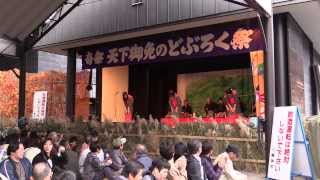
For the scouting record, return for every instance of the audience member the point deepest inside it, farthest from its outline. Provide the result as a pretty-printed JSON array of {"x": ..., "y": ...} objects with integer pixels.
[
  {"x": 141, "y": 155},
  {"x": 226, "y": 158},
  {"x": 65, "y": 175},
  {"x": 166, "y": 150},
  {"x": 84, "y": 151},
  {"x": 158, "y": 171},
  {"x": 2, "y": 177},
  {"x": 24, "y": 137},
  {"x": 195, "y": 169},
  {"x": 179, "y": 163},
  {"x": 55, "y": 161},
  {"x": 132, "y": 171},
  {"x": 72, "y": 156},
  {"x": 119, "y": 160},
  {"x": 93, "y": 167},
  {"x": 55, "y": 139},
  {"x": 42, "y": 171},
  {"x": 11, "y": 138},
  {"x": 16, "y": 167},
  {"x": 95, "y": 139},
  {"x": 212, "y": 172},
  {"x": 3, "y": 149},
  {"x": 32, "y": 144}
]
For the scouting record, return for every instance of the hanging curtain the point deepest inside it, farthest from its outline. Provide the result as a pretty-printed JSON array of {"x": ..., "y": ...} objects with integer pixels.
[{"x": 257, "y": 59}]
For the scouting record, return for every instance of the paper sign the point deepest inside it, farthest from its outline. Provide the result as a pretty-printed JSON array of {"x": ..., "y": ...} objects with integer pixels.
[
  {"x": 289, "y": 152},
  {"x": 280, "y": 158},
  {"x": 39, "y": 105}
]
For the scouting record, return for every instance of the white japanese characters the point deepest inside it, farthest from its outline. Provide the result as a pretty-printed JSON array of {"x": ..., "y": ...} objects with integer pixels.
[{"x": 182, "y": 46}]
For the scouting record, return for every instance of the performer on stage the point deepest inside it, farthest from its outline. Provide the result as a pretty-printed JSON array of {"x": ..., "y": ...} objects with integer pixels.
[
  {"x": 209, "y": 107},
  {"x": 128, "y": 104},
  {"x": 179, "y": 102},
  {"x": 237, "y": 100},
  {"x": 186, "y": 108},
  {"x": 221, "y": 109},
  {"x": 174, "y": 102},
  {"x": 232, "y": 102}
]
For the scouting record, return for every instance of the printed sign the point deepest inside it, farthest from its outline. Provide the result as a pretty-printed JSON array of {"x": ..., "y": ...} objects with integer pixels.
[
  {"x": 39, "y": 105},
  {"x": 289, "y": 152},
  {"x": 232, "y": 38}
]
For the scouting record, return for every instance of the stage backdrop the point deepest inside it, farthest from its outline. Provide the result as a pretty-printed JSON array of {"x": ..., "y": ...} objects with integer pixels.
[
  {"x": 114, "y": 82},
  {"x": 197, "y": 87}
]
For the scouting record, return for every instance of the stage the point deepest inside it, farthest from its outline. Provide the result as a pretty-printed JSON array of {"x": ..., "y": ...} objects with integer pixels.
[{"x": 171, "y": 122}]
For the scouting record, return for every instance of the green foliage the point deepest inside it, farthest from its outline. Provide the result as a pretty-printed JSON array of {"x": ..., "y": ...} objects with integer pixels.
[{"x": 199, "y": 91}]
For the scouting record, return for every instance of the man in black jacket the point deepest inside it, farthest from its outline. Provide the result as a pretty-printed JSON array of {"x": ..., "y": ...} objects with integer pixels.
[
  {"x": 194, "y": 166},
  {"x": 119, "y": 159}
]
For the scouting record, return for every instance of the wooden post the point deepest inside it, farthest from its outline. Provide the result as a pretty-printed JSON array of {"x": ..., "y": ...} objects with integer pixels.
[{"x": 71, "y": 84}]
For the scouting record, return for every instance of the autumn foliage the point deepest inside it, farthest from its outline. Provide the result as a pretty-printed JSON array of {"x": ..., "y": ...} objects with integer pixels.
[{"x": 54, "y": 82}]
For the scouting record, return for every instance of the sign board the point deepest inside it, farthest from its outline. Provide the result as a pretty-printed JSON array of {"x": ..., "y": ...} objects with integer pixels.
[
  {"x": 39, "y": 105},
  {"x": 204, "y": 42},
  {"x": 290, "y": 154},
  {"x": 261, "y": 5}
]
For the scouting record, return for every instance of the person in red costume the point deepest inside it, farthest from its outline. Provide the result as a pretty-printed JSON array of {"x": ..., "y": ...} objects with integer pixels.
[{"x": 128, "y": 101}]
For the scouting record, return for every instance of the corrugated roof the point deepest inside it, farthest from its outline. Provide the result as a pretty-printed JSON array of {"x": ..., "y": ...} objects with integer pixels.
[{"x": 18, "y": 18}]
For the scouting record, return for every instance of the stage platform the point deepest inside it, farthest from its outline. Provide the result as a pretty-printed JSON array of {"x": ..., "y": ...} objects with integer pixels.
[{"x": 171, "y": 122}]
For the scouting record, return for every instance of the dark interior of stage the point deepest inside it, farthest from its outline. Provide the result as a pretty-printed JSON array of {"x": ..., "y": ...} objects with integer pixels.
[{"x": 150, "y": 83}]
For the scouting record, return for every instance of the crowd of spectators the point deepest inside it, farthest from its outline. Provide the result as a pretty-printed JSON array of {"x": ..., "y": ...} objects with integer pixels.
[{"x": 44, "y": 156}]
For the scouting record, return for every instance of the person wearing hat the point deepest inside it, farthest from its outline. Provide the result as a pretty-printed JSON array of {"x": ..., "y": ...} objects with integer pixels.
[
  {"x": 226, "y": 158},
  {"x": 119, "y": 159}
]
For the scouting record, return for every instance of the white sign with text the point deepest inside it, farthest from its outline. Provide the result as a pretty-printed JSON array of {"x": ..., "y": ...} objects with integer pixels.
[
  {"x": 39, "y": 105},
  {"x": 289, "y": 153},
  {"x": 280, "y": 158}
]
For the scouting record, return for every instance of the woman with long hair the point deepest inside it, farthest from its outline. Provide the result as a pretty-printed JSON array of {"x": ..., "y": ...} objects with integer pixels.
[
  {"x": 55, "y": 161},
  {"x": 128, "y": 104}
]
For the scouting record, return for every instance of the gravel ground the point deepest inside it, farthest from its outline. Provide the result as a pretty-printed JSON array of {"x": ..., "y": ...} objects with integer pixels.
[{"x": 253, "y": 176}]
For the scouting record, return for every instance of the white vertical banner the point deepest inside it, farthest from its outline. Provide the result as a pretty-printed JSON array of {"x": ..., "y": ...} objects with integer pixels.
[
  {"x": 282, "y": 142},
  {"x": 39, "y": 105}
]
